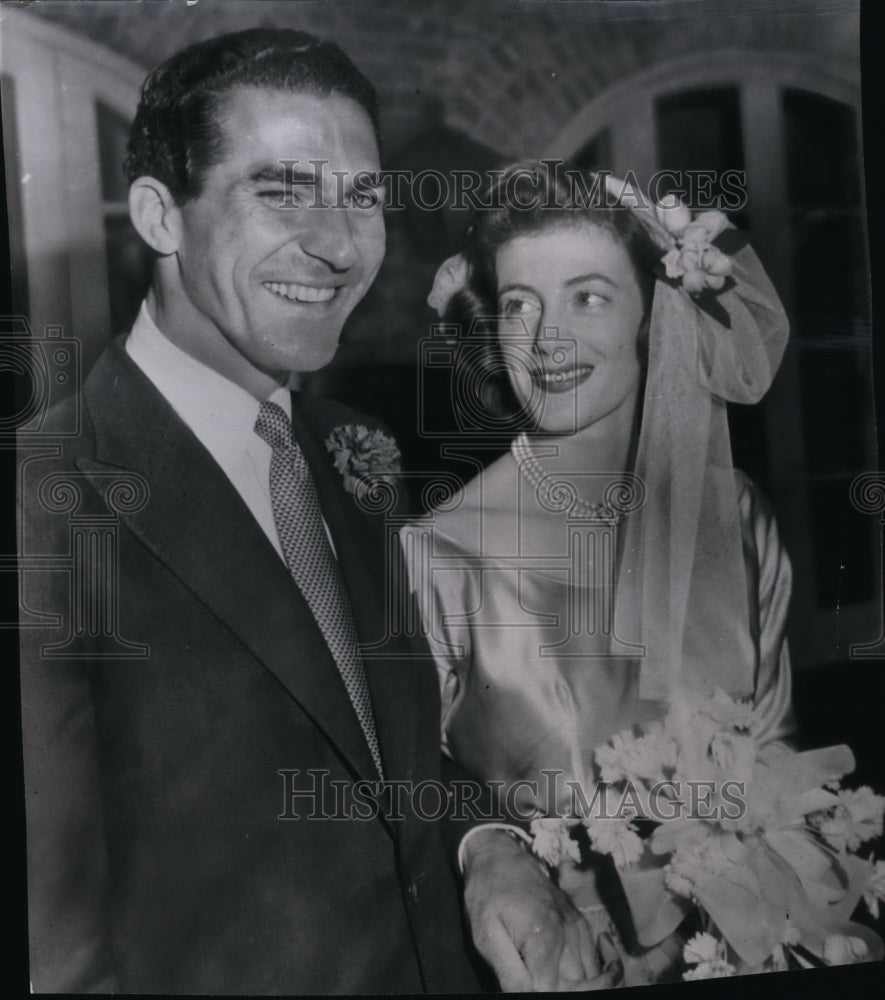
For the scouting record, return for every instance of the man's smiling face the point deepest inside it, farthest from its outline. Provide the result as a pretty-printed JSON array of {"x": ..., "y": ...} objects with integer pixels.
[{"x": 274, "y": 281}]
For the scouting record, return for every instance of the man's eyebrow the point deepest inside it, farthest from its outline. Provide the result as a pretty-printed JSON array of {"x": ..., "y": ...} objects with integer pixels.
[{"x": 276, "y": 173}]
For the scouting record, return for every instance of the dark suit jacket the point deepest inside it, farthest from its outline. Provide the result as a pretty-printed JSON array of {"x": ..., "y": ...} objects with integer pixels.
[{"x": 156, "y": 858}]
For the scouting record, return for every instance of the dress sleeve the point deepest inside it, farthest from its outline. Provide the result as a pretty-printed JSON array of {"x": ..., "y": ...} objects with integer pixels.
[
  {"x": 773, "y": 716},
  {"x": 439, "y": 594}
]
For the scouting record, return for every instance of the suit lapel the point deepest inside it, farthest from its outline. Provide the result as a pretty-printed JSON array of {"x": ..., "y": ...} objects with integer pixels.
[
  {"x": 196, "y": 523},
  {"x": 361, "y": 546}
]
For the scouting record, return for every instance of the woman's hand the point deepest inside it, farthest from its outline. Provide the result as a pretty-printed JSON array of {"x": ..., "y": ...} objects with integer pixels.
[{"x": 525, "y": 926}]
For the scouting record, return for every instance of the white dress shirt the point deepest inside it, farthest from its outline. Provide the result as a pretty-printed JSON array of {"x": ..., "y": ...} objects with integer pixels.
[{"x": 219, "y": 412}]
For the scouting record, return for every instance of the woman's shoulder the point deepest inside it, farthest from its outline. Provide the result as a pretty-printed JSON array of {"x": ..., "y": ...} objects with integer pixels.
[{"x": 480, "y": 507}]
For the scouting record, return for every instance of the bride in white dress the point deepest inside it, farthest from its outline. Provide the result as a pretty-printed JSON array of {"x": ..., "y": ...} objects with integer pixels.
[{"x": 613, "y": 555}]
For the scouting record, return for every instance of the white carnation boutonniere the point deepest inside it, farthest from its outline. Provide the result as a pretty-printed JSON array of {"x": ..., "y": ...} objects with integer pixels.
[
  {"x": 699, "y": 258},
  {"x": 361, "y": 454}
]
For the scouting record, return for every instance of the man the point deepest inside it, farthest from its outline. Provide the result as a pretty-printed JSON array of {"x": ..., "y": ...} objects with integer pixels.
[{"x": 163, "y": 788}]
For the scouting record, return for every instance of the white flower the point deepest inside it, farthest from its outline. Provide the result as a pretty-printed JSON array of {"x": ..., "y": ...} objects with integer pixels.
[
  {"x": 714, "y": 261},
  {"x": 678, "y": 881},
  {"x": 616, "y": 837},
  {"x": 833, "y": 828},
  {"x": 705, "y": 227},
  {"x": 551, "y": 841},
  {"x": 672, "y": 214},
  {"x": 694, "y": 281},
  {"x": 672, "y": 265},
  {"x": 714, "y": 281},
  {"x": 707, "y": 954},
  {"x": 608, "y": 759},
  {"x": 855, "y": 819},
  {"x": 710, "y": 970},
  {"x": 634, "y": 758},
  {"x": 865, "y": 810},
  {"x": 839, "y": 949},
  {"x": 653, "y": 751},
  {"x": 700, "y": 852},
  {"x": 702, "y": 947},
  {"x": 693, "y": 259},
  {"x": 875, "y": 888}
]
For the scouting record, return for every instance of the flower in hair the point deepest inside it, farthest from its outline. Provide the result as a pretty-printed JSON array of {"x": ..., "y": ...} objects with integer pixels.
[
  {"x": 360, "y": 453},
  {"x": 450, "y": 279},
  {"x": 699, "y": 258},
  {"x": 672, "y": 214}
]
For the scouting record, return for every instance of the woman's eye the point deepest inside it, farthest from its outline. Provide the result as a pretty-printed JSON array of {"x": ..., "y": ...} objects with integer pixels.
[
  {"x": 590, "y": 300},
  {"x": 517, "y": 307}
]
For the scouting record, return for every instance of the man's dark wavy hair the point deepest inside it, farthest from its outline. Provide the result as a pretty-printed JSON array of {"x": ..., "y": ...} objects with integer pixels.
[
  {"x": 530, "y": 198},
  {"x": 177, "y": 133}
]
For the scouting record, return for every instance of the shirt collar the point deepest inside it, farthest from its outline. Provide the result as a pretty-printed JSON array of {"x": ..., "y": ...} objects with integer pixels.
[{"x": 217, "y": 410}]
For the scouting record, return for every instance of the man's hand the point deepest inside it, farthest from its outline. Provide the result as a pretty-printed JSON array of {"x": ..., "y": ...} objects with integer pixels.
[{"x": 525, "y": 926}]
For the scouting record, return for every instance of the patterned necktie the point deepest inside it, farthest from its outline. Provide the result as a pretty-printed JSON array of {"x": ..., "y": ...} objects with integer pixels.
[{"x": 302, "y": 534}]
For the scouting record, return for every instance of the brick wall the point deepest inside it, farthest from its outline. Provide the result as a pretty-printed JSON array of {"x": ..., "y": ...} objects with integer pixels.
[{"x": 507, "y": 74}]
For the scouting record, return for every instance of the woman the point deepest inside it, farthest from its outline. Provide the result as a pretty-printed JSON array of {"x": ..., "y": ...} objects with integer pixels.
[{"x": 612, "y": 559}]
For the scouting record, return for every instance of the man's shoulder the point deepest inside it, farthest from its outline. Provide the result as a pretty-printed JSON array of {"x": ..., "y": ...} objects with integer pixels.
[
  {"x": 327, "y": 414},
  {"x": 68, "y": 423},
  {"x": 339, "y": 425}
]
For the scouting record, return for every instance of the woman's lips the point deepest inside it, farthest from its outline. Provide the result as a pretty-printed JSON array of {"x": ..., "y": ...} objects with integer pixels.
[{"x": 564, "y": 379}]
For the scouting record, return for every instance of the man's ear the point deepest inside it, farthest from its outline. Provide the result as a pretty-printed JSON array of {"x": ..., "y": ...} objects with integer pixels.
[{"x": 156, "y": 217}]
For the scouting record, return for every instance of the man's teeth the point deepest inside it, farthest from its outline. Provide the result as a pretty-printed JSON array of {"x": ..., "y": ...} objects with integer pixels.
[
  {"x": 300, "y": 293},
  {"x": 565, "y": 374}
]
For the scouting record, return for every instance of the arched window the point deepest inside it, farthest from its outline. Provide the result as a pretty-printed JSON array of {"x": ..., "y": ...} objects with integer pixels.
[{"x": 792, "y": 125}]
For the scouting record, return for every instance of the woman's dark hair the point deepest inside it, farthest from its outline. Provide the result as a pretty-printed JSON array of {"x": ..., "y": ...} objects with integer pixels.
[
  {"x": 177, "y": 130},
  {"x": 527, "y": 198}
]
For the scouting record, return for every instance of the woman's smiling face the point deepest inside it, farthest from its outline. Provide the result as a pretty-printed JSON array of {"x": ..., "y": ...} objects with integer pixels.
[{"x": 572, "y": 291}]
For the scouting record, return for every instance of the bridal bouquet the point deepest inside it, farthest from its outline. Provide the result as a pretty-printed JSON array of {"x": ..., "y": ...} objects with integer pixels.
[{"x": 761, "y": 839}]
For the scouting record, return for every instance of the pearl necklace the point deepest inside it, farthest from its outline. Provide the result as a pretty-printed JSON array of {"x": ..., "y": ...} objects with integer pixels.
[{"x": 556, "y": 495}]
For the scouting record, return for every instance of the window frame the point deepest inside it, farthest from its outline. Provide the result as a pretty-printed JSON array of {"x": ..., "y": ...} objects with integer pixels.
[
  {"x": 57, "y": 78},
  {"x": 626, "y": 110}
]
